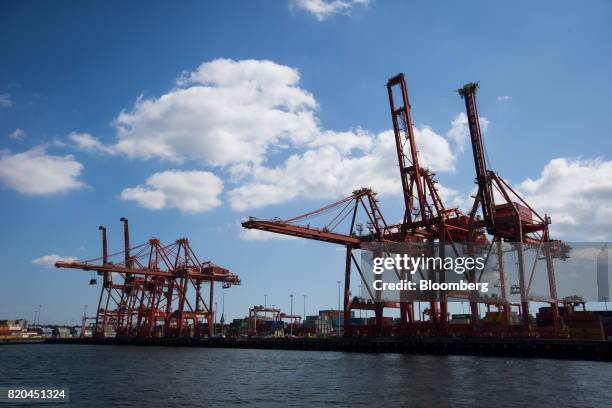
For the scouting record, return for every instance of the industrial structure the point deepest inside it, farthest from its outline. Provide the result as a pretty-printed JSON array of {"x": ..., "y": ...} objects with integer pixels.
[
  {"x": 157, "y": 290},
  {"x": 154, "y": 290},
  {"x": 498, "y": 215},
  {"x": 272, "y": 318}
]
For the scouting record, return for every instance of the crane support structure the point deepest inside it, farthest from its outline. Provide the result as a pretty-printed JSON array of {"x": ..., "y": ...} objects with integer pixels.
[
  {"x": 427, "y": 221},
  {"x": 155, "y": 290},
  {"x": 513, "y": 220},
  {"x": 342, "y": 229}
]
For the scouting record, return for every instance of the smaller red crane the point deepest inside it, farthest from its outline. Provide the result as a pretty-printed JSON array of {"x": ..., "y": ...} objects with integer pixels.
[{"x": 155, "y": 290}]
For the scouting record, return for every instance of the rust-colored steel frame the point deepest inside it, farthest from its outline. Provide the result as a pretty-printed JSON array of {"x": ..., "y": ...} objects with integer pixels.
[
  {"x": 426, "y": 220},
  {"x": 276, "y": 315},
  {"x": 156, "y": 290},
  {"x": 254, "y": 315},
  {"x": 515, "y": 228},
  {"x": 361, "y": 201}
]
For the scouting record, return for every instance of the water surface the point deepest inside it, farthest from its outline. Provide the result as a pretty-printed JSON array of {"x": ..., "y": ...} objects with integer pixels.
[{"x": 122, "y": 376}]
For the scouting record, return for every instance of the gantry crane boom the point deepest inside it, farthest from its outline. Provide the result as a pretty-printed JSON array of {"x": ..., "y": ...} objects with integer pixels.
[
  {"x": 410, "y": 170},
  {"x": 210, "y": 273},
  {"x": 345, "y": 209},
  {"x": 485, "y": 190},
  {"x": 282, "y": 227}
]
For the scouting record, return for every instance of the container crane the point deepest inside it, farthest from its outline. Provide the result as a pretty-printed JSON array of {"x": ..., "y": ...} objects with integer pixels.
[
  {"x": 155, "y": 290},
  {"x": 513, "y": 220},
  {"x": 425, "y": 217},
  {"x": 342, "y": 228}
]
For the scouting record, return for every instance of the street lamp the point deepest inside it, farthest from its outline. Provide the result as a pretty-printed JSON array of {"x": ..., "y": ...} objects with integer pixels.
[
  {"x": 222, "y": 312},
  {"x": 215, "y": 325},
  {"x": 360, "y": 297},
  {"x": 291, "y": 313},
  {"x": 265, "y": 307},
  {"x": 304, "y": 308},
  {"x": 338, "y": 314}
]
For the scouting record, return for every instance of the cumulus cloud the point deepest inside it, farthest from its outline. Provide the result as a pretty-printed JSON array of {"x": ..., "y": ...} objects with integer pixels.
[
  {"x": 252, "y": 122},
  {"x": 590, "y": 253},
  {"x": 89, "y": 143},
  {"x": 459, "y": 132},
  {"x": 504, "y": 98},
  {"x": 327, "y": 172},
  {"x": 34, "y": 172},
  {"x": 50, "y": 260},
  {"x": 188, "y": 191},
  {"x": 17, "y": 134},
  {"x": 225, "y": 112},
  {"x": 324, "y": 9},
  {"x": 577, "y": 194},
  {"x": 6, "y": 101}
]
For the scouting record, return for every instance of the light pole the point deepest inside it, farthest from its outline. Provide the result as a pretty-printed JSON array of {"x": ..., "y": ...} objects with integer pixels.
[
  {"x": 291, "y": 313},
  {"x": 222, "y": 312},
  {"x": 215, "y": 325},
  {"x": 265, "y": 306},
  {"x": 338, "y": 314},
  {"x": 304, "y": 318},
  {"x": 360, "y": 297}
]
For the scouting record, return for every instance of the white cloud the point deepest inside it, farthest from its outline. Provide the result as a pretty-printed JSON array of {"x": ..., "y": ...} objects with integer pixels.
[
  {"x": 329, "y": 172},
  {"x": 259, "y": 235},
  {"x": 577, "y": 194},
  {"x": 50, "y": 260},
  {"x": 6, "y": 101},
  {"x": 188, "y": 191},
  {"x": 236, "y": 115},
  {"x": 87, "y": 142},
  {"x": 590, "y": 253},
  {"x": 459, "y": 132},
  {"x": 504, "y": 98},
  {"x": 226, "y": 112},
  {"x": 345, "y": 142},
  {"x": 17, "y": 134},
  {"x": 324, "y": 9},
  {"x": 34, "y": 172}
]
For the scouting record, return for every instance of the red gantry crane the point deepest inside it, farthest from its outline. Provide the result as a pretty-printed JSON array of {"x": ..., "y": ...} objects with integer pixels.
[
  {"x": 427, "y": 221},
  {"x": 425, "y": 217},
  {"x": 254, "y": 316},
  {"x": 512, "y": 220},
  {"x": 155, "y": 290},
  {"x": 342, "y": 227}
]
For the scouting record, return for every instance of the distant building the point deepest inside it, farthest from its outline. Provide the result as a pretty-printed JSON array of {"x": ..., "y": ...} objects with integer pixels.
[
  {"x": 15, "y": 329},
  {"x": 603, "y": 286},
  {"x": 335, "y": 316},
  {"x": 61, "y": 332}
]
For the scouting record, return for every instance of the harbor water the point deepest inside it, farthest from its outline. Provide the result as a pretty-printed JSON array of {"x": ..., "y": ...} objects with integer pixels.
[{"x": 122, "y": 376}]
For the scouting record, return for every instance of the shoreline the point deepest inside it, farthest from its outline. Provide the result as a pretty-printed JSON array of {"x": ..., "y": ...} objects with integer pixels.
[{"x": 514, "y": 348}]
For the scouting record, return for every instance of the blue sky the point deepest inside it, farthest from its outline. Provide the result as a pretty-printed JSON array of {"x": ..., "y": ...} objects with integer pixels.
[{"x": 72, "y": 68}]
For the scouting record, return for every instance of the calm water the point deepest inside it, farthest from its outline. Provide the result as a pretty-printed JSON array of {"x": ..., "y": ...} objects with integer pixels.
[{"x": 116, "y": 376}]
